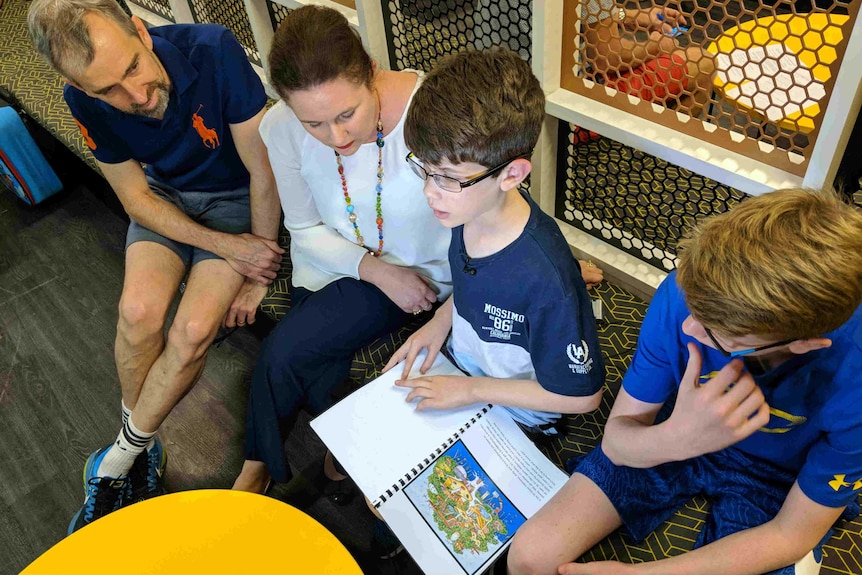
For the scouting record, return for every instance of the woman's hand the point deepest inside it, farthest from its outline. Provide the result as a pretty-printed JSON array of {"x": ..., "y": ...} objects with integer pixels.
[
  {"x": 242, "y": 310},
  {"x": 407, "y": 289}
]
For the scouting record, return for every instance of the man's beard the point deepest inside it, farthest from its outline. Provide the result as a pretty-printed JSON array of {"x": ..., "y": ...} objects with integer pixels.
[{"x": 163, "y": 93}]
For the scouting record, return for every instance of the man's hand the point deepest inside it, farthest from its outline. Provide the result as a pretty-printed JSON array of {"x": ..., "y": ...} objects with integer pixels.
[
  {"x": 597, "y": 568},
  {"x": 429, "y": 337},
  {"x": 719, "y": 412},
  {"x": 242, "y": 310},
  {"x": 254, "y": 257},
  {"x": 439, "y": 391}
]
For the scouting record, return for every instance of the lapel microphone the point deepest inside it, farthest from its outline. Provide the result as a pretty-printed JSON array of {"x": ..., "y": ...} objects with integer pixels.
[{"x": 467, "y": 269}]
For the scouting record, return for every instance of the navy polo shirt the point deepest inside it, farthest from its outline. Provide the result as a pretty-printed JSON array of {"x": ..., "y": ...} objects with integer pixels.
[{"x": 191, "y": 148}]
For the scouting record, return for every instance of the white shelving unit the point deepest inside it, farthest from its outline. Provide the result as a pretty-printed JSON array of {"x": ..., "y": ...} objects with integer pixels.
[{"x": 725, "y": 166}]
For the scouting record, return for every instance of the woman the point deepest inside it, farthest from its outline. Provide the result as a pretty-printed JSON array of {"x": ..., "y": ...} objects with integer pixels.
[
  {"x": 367, "y": 252},
  {"x": 337, "y": 149}
]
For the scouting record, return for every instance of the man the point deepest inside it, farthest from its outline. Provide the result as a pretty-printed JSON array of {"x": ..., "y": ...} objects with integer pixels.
[
  {"x": 184, "y": 101},
  {"x": 758, "y": 335}
]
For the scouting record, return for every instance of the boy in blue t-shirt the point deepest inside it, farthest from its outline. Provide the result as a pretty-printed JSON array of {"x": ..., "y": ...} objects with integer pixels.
[
  {"x": 520, "y": 316},
  {"x": 757, "y": 338}
]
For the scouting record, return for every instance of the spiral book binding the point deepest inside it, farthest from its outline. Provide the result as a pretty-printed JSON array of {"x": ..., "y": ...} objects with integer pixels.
[{"x": 419, "y": 467}]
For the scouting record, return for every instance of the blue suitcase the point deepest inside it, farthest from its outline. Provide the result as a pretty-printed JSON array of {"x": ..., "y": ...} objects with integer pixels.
[{"x": 23, "y": 168}]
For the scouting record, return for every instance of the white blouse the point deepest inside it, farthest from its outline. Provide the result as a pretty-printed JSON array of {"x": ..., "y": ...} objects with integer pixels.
[{"x": 323, "y": 247}]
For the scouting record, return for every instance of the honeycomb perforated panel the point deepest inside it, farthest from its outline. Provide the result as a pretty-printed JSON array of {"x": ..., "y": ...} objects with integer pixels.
[
  {"x": 159, "y": 7},
  {"x": 634, "y": 201},
  {"x": 419, "y": 32},
  {"x": 277, "y": 13},
  {"x": 231, "y": 15},
  {"x": 757, "y": 74}
]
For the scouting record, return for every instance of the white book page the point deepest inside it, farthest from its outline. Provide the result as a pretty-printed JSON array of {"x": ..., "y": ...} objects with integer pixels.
[
  {"x": 462, "y": 511},
  {"x": 378, "y": 437}
]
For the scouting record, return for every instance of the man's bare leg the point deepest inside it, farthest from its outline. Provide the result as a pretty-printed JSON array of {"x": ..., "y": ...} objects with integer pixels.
[
  {"x": 575, "y": 519},
  {"x": 210, "y": 289},
  {"x": 153, "y": 274}
]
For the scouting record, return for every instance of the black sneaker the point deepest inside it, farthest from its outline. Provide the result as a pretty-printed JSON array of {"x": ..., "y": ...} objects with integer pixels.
[
  {"x": 145, "y": 477},
  {"x": 104, "y": 495}
]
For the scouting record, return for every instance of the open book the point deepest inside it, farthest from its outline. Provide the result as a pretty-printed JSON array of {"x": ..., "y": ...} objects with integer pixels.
[{"x": 453, "y": 485}]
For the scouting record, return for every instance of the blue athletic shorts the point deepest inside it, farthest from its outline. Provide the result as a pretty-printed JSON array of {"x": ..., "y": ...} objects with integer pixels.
[
  {"x": 228, "y": 211},
  {"x": 744, "y": 492}
]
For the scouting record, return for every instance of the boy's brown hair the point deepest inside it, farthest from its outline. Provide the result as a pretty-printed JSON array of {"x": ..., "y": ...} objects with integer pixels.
[
  {"x": 483, "y": 107},
  {"x": 787, "y": 264}
]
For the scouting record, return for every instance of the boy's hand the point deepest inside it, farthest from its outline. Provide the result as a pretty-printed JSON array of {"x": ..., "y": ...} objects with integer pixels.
[
  {"x": 439, "y": 391},
  {"x": 429, "y": 337},
  {"x": 596, "y": 568},
  {"x": 662, "y": 19},
  {"x": 719, "y": 412},
  {"x": 592, "y": 275}
]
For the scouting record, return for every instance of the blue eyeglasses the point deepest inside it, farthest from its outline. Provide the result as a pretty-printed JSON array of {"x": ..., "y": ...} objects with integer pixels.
[{"x": 743, "y": 352}]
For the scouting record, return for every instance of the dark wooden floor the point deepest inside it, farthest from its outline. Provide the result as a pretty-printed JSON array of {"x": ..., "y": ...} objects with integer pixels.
[{"x": 61, "y": 269}]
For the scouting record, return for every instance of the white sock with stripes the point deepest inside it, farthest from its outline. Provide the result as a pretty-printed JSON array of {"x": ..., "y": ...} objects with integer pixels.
[
  {"x": 127, "y": 413},
  {"x": 129, "y": 444}
]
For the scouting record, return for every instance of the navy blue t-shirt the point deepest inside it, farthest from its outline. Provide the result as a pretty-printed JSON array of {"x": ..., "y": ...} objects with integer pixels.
[
  {"x": 191, "y": 148},
  {"x": 815, "y": 424},
  {"x": 524, "y": 313}
]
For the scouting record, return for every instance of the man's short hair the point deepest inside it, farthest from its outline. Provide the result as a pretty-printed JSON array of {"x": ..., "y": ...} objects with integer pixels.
[
  {"x": 61, "y": 35},
  {"x": 787, "y": 264},
  {"x": 482, "y": 107}
]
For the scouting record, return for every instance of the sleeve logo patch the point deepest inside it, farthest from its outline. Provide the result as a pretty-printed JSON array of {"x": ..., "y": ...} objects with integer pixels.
[
  {"x": 86, "y": 135},
  {"x": 579, "y": 355},
  {"x": 840, "y": 482}
]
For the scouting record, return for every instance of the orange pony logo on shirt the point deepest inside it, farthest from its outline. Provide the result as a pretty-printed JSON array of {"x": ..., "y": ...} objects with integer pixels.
[
  {"x": 86, "y": 134},
  {"x": 208, "y": 135}
]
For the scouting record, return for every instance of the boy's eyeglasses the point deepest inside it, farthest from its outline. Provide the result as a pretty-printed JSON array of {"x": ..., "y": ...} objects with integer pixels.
[
  {"x": 451, "y": 184},
  {"x": 743, "y": 352}
]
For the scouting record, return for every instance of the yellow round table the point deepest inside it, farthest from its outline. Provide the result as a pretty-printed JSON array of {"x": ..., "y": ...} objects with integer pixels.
[
  {"x": 211, "y": 531},
  {"x": 813, "y": 38}
]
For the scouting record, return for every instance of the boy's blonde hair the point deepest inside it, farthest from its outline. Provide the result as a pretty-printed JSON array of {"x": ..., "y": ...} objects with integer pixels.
[
  {"x": 787, "y": 264},
  {"x": 483, "y": 107}
]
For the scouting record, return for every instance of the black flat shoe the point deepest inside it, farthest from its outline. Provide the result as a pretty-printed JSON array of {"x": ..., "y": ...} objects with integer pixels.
[
  {"x": 311, "y": 484},
  {"x": 339, "y": 492}
]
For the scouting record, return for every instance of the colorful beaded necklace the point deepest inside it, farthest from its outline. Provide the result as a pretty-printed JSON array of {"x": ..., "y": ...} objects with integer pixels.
[{"x": 351, "y": 211}]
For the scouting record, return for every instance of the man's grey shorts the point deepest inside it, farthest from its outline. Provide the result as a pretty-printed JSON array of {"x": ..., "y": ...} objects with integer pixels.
[{"x": 227, "y": 211}]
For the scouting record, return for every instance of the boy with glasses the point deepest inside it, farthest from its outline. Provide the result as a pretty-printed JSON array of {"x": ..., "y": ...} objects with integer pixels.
[
  {"x": 758, "y": 335},
  {"x": 521, "y": 320}
]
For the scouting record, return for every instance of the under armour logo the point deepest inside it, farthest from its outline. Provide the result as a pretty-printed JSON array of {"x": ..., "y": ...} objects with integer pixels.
[{"x": 840, "y": 482}]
